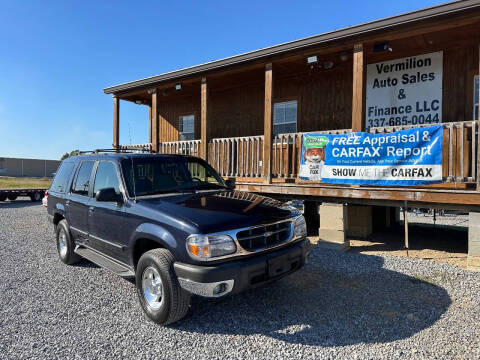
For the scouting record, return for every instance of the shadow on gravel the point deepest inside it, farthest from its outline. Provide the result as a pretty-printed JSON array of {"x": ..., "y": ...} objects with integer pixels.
[
  {"x": 84, "y": 263},
  {"x": 446, "y": 238},
  {"x": 16, "y": 204},
  {"x": 338, "y": 299}
]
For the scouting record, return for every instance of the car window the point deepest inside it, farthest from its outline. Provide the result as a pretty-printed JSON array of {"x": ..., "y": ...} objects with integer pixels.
[
  {"x": 60, "y": 181},
  {"x": 161, "y": 174},
  {"x": 106, "y": 177},
  {"x": 82, "y": 181}
]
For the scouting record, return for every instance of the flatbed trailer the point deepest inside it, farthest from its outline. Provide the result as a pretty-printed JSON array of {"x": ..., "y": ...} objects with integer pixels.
[{"x": 35, "y": 194}]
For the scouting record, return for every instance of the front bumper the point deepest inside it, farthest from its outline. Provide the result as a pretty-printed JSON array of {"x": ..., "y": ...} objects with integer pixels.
[{"x": 240, "y": 275}]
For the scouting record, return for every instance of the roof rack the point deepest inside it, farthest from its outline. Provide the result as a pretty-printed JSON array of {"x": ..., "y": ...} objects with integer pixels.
[{"x": 146, "y": 148}]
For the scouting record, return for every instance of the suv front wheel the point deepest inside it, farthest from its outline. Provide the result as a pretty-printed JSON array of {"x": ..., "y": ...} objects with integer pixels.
[{"x": 161, "y": 297}]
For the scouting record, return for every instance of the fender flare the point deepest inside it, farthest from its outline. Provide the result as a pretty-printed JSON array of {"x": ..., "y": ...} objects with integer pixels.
[
  {"x": 59, "y": 210},
  {"x": 155, "y": 233}
]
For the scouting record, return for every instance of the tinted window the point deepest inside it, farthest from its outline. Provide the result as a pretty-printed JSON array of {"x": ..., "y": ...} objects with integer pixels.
[
  {"x": 106, "y": 177},
  {"x": 60, "y": 181},
  {"x": 83, "y": 178},
  {"x": 156, "y": 175}
]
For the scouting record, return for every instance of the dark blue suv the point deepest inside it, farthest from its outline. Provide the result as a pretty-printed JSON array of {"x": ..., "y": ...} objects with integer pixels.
[{"x": 175, "y": 225}]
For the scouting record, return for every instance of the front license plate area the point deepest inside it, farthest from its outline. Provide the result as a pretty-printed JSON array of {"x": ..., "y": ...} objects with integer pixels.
[{"x": 278, "y": 265}]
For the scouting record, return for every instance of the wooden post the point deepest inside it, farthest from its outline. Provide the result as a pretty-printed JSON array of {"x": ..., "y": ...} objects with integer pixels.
[
  {"x": 155, "y": 133},
  {"x": 116, "y": 122},
  {"x": 478, "y": 128},
  {"x": 203, "y": 120},
  {"x": 268, "y": 126},
  {"x": 358, "y": 88},
  {"x": 405, "y": 222},
  {"x": 150, "y": 124}
]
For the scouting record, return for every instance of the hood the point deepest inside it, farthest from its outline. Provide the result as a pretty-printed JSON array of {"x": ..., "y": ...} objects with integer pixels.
[{"x": 220, "y": 211}]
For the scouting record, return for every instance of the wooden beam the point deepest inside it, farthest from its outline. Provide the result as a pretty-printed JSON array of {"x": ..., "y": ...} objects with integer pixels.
[
  {"x": 268, "y": 125},
  {"x": 358, "y": 88},
  {"x": 466, "y": 198},
  {"x": 405, "y": 223},
  {"x": 116, "y": 122},
  {"x": 155, "y": 132},
  {"x": 150, "y": 124},
  {"x": 203, "y": 119}
]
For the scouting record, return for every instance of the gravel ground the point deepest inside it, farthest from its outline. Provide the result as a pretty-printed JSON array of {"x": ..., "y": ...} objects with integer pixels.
[{"x": 341, "y": 305}]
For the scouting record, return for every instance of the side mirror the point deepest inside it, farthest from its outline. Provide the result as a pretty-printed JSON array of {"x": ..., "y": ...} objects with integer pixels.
[
  {"x": 108, "y": 195},
  {"x": 230, "y": 184}
]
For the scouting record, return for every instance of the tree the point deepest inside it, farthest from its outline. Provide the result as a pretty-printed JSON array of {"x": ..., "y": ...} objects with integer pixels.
[{"x": 67, "y": 155}]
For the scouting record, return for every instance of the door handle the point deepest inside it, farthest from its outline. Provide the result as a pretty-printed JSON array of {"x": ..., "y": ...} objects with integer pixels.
[
  {"x": 67, "y": 202},
  {"x": 91, "y": 209}
]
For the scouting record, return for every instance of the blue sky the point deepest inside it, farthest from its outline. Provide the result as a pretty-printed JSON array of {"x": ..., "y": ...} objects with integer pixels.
[{"x": 57, "y": 56}]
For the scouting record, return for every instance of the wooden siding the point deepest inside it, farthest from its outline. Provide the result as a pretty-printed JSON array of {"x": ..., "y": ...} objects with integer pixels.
[
  {"x": 324, "y": 101},
  {"x": 170, "y": 112},
  {"x": 236, "y": 100},
  {"x": 324, "y": 98}
]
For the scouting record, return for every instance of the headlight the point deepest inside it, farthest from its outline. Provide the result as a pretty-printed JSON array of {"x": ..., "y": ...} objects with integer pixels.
[
  {"x": 205, "y": 247},
  {"x": 293, "y": 210},
  {"x": 300, "y": 228}
]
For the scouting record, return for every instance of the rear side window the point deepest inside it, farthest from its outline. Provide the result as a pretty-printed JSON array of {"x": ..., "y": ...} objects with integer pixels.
[
  {"x": 82, "y": 182},
  {"x": 60, "y": 182},
  {"x": 106, "y": 177}
]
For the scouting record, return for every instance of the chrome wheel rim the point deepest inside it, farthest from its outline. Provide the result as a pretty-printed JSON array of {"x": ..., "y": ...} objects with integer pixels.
[
  {"x": 62, "y": 243},
  {"x": 152, "y": 288}
]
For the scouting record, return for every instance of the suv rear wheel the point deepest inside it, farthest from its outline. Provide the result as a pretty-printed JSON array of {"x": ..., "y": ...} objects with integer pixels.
[
  {"x": 65, "y": 244},
  {"x": 161, "y": 297}
]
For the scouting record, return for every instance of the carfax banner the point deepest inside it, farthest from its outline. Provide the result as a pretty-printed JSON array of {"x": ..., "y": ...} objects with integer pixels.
[{"x": 406, "y": 157}]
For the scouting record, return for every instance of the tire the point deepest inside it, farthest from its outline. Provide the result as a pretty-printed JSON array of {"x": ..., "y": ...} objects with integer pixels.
[
  {"x": 66, "y": 246},
  {"x": 36, "y": 197},
  {"x": 173, "y": 303},
  {"x": 12, "y": 197}
]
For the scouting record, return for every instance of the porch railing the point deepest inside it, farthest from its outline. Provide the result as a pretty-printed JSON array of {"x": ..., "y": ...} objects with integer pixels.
[
  {"x": 185, "y": 147},
  {"x": 237, "y": 156},
  {"x": 139, "y": 147},
  {"x": 243, "y": 156},
  {"x": 286, "y": 152}
]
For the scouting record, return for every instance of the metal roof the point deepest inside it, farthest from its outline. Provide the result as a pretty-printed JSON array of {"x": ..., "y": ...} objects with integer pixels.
[{"x": 449, "y": 8}]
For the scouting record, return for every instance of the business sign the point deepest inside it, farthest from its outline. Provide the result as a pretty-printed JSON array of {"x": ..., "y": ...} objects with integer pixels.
[
  {"x": 402, "y": 158},
  {"x": 405, "y": 91}
]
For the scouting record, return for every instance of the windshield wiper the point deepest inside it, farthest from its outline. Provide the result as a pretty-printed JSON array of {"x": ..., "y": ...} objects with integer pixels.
[
  {"x": 167, "y": 191},
  {"x": 208, "y": 186}
]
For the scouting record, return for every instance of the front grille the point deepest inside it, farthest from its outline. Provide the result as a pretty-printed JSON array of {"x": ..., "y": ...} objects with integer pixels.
[{"x": 264, "y": 236}]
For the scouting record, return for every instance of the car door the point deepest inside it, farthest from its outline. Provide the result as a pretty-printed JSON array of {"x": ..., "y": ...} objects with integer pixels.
[
  {"x": 76, "y": 204},
  {"x": 106, "y": 220}
]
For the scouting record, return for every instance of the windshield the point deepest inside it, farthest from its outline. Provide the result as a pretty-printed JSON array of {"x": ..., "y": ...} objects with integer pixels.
[{"x": 162, "y": 174}]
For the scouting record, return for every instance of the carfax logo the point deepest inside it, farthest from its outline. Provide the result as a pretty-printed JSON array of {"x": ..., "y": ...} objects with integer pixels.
[{"x": 314, "y": 156}]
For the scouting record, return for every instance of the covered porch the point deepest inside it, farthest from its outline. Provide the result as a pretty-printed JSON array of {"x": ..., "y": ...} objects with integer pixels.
[
  {"x": 247, "y": 119},
  {"x": 246, "y": 115}
]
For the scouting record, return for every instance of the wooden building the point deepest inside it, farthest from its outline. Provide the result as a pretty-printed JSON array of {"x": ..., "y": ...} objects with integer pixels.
[{"x": 246, "y": 114}]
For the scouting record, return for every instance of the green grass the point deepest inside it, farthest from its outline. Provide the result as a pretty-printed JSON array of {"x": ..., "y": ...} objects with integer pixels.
[{"x": 24, "y": 183}]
